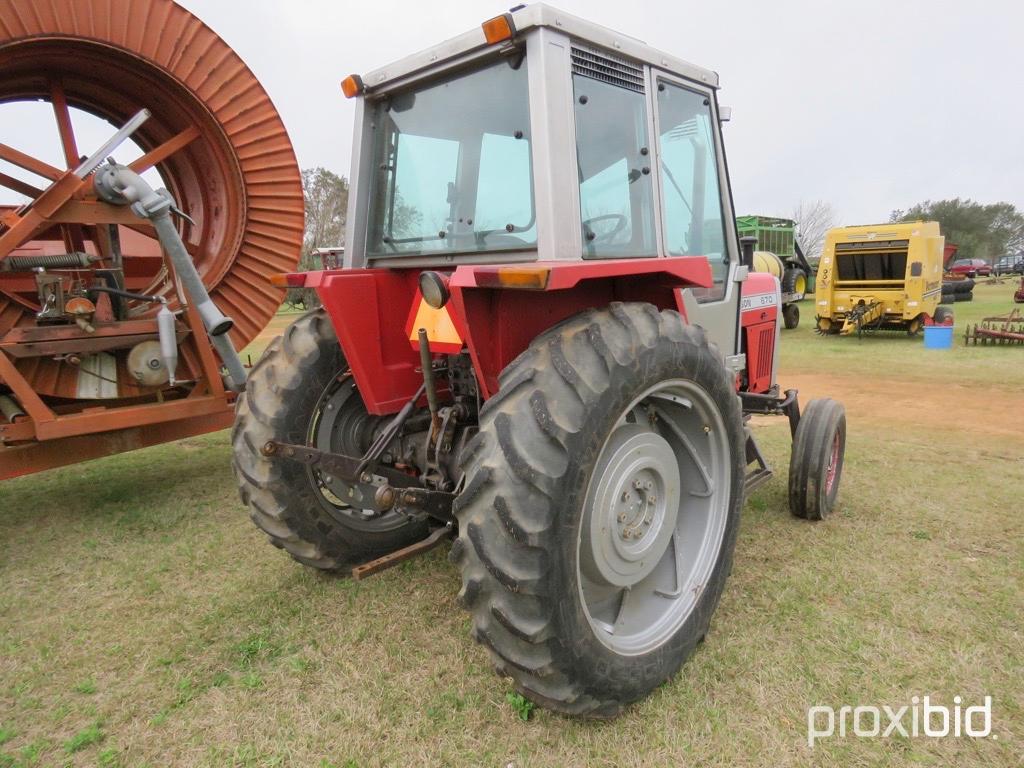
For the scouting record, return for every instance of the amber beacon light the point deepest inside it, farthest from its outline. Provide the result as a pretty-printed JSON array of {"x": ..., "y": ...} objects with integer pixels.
[{"x": 499, "y": 29}]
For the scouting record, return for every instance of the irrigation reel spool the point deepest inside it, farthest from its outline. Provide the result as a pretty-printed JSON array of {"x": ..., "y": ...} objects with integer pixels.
[{"x": 84, "y": 282}]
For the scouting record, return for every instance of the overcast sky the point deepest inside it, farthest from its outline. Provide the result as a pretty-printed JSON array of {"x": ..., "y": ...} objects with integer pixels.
[{"x": 868, "y": 105}]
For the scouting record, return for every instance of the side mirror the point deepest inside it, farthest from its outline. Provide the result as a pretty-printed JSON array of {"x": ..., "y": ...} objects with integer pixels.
[
  {"x": 724, "y": 114},
  {"x": 747, "y": 244}
]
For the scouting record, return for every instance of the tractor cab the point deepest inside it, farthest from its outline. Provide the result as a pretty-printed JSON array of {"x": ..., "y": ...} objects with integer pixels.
[{"x": 543, "y": 137}]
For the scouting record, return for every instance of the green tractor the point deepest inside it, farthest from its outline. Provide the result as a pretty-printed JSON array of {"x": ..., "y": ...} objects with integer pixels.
[{"x": 780, "y": 254}]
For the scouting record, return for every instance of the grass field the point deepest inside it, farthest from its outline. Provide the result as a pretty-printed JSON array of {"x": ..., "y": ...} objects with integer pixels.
[{"x": 145, "y": 621}]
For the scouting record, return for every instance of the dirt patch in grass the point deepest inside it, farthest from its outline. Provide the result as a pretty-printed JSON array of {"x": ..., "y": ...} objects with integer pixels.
[{"x": 905, "y": 403}]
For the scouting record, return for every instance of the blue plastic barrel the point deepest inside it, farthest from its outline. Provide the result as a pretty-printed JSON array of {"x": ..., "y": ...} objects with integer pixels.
[{"x": 938, "y": 337}]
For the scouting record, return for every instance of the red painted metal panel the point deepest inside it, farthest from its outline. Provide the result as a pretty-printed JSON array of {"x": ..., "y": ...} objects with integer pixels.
[
  {"x": 760, "y": 352},
  {"x": 759, "y": 314},
  {"x": 688, "y": 270},
  {"x": 369, "y": 308},
  {"x": 501, "y": 323}
]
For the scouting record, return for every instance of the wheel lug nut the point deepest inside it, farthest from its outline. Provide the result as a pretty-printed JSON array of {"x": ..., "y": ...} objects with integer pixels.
[
  {"x": 625, "y": 495},
  {"x": 637, "y": 484},
  {"x": 622, "y": 517},
  {"x": 648, "y": 485}
]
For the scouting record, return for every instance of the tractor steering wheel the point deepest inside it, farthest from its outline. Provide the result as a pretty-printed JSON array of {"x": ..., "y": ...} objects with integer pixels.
[{"x": 621, "y": 220}]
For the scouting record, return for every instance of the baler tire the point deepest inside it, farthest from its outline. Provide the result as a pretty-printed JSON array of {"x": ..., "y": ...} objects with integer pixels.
[
  {"x": 791, "y": 280},
  {"x": 521, "y": 512},
  {"x": 816, "y": 462},
  {"x": 965, "y": 296},
  {"x": 790, "y": 316},
  {"x": 948, "y": 298},
  {"x": 964, "y": 286},
  {"x": 279, "y": 401}
]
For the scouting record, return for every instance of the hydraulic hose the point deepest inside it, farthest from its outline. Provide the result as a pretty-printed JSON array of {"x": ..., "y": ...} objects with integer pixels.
[{"x": 119, "y": 184}]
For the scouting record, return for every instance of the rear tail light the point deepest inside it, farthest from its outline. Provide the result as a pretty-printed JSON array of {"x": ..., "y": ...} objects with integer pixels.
[
  {"x": 528, "y": 278},
  {"x": 289, "y": 280}
]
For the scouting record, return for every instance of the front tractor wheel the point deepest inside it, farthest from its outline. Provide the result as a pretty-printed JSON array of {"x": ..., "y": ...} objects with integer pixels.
[
  {"x": 301, "y": 391},
  {"x": 816, "y": 464},
  {"x": 599, "y": 517}
]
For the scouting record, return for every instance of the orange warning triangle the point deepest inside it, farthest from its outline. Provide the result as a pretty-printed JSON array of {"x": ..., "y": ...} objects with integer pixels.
[{"x": 440, "y": 329}]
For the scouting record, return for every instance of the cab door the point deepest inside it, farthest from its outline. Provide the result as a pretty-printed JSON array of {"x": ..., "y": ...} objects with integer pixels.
[{"x": 695, "y": 202}]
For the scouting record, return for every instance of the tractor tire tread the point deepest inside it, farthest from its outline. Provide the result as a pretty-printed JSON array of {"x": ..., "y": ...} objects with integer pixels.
[
  {"x": 280, "y": 500},
  {"x": 509, "y": 511}
]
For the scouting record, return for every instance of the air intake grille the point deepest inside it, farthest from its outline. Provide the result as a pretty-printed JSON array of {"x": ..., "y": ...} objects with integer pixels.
[{"x": 607, "y": 69}]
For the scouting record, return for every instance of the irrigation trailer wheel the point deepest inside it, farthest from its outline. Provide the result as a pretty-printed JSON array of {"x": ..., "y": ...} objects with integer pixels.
[
  {"x": 816, "y": 462},
  {"x": 601, "y": 505}
]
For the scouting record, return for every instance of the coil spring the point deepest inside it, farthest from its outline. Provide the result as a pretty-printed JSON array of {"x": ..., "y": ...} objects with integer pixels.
[{"x": 52, "y": 261}]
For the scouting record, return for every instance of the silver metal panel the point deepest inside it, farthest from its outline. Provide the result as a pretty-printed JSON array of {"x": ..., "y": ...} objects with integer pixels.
[
  {"x": 654, "y": 151},
  {"x": 531, "y": 17},
  {"x": 454, "y": 259},
  {"x": 360, "y": 181},
  {"x": 553, "y": 134}
]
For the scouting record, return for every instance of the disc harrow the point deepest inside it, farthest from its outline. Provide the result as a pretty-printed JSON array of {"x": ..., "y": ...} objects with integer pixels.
[{"x": 998, "y": 330}]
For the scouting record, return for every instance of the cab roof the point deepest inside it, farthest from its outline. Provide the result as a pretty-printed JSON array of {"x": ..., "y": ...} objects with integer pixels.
[{"x": 530, "y": 17}]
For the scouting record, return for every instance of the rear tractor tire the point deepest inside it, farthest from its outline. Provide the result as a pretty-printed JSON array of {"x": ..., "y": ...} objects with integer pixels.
[
  {"x": 300, "y": 392},
  {"x": 601, "y": 506},
  {"x": 790, "y": 316},
  {"x": 816, "y": 464}
]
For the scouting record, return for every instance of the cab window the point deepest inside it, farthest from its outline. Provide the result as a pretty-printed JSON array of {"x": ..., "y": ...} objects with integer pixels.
[
  {"x": 616, "y": 196},
  {"x": 691, "y": 198}
]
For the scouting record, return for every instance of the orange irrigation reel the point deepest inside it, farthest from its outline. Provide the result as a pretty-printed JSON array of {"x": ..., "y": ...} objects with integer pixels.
[{"x": 82, "y": 279}]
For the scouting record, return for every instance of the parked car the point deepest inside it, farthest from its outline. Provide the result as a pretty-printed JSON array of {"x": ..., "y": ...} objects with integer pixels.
[
  {"x": 971, "y": 267},
  {"x": 1009, "y": 265}
]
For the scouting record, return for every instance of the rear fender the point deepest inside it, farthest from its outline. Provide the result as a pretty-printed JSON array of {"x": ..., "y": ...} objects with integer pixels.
[
  {"x": 368, "y": 309},
  {"x": 501, "y": 322}
]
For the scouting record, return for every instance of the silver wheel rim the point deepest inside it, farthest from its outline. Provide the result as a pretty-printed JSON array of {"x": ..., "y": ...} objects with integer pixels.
[{"x": 654, "y": 517}]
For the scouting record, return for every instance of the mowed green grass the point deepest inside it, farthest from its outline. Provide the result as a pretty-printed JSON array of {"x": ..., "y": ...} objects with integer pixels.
[{"x": 145, "y": 621}]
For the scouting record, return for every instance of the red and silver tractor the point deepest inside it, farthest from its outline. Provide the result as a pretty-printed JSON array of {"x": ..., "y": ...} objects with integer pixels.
[{"x": 545, "y": 341}]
